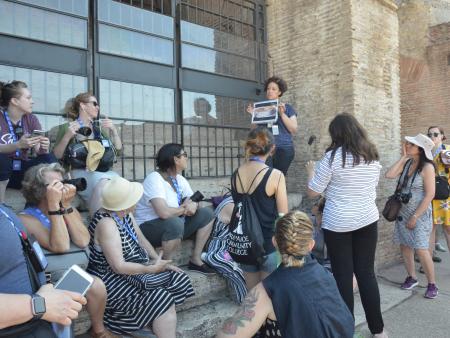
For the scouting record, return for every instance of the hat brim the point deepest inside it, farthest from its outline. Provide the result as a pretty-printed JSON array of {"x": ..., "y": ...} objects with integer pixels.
[
  {"x": 131, "y": 199},
  {"x": 427, "y": 152}
]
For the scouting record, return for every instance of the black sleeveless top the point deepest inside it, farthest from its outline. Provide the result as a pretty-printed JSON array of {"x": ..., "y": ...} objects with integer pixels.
[
  {"x": 307, "y": 302},
  {"x": 265, "y": 206}
]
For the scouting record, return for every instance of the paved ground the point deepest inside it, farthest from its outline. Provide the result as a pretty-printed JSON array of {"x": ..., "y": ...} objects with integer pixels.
[{"x": 408, "y": 314}]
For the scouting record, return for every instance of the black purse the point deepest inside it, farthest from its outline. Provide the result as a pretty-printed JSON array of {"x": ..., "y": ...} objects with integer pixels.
[
  {"x": 394, "y": 203},
  {"x": 442, "y": 191}
]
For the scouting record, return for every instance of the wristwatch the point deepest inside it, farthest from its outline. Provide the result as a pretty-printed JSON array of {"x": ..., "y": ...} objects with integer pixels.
[
  {"x": 37, "y": 306},
  {"x": 61, "y": 211}
]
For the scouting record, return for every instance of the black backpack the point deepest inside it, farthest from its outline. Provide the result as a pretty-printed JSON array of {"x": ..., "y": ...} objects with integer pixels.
[{"x": 245, "y": 242}]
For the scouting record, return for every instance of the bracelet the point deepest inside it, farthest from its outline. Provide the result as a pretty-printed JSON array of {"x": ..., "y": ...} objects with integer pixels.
[{"x": 61, "y": 211}]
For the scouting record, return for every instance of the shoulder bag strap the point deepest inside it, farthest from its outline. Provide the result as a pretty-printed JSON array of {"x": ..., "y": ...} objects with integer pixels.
[{"x": 403, "y": 179}]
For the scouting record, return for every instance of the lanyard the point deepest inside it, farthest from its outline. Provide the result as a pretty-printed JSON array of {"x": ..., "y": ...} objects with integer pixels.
[
  {"x": 11, "y": 130},
  {"x": 438, "y": 150},
  {"x": 177, "y": 189},
  {"x": 125, "y": 226},
  {"x": 21, "y": 233},
  {"x": 36, "y": 212},
  {"x": 257, "y": 159}
]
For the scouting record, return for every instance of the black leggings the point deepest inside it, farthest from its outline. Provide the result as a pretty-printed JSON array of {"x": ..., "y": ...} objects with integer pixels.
[
  {"x": 282, "y": 159},
  {"x": 354, "y": 251}
]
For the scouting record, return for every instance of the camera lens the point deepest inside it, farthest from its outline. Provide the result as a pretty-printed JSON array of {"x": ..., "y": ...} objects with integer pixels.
[
  {"x": 85, "y": 131},
  {"x": 79, "y": 183},
  {"x": 399, "y": 218}
]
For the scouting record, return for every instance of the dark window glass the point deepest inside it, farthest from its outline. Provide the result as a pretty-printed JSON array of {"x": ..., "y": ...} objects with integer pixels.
[{"x": 159, "y": 6}]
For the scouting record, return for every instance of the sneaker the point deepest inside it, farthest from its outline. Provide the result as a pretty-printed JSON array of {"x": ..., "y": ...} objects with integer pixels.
[
  {"x": 381, "y": 335},
  {"x": 204, "y": 268},
  {"x": 432, "y": 291},
  {"x": 436, "y": 259},
  {"x": 409, "y": 283},
  {"x": 440, "y": 247}
]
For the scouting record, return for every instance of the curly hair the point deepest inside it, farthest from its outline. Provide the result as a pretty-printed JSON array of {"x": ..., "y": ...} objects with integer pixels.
[
  {"x": 10, "y": 90},
  {"x": 72, "y": 107},
  {"x": 34, "y": 186},
  {"x": 282, "y": 86},
  {"x": 293, "y": 234},
  {"x": 259, "y": 142}
]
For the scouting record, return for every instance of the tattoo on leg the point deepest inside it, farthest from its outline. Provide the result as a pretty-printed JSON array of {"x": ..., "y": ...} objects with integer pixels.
[{"x": 245, "y": 313}]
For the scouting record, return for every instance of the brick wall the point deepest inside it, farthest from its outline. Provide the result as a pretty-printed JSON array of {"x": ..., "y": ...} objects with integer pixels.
[
  {"x": 425, "y": 91},
  {"x": 339, "y": 56}
]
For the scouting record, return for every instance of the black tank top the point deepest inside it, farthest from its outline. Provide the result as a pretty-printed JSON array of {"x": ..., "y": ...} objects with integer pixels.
[{"x": 265, "y": 206}]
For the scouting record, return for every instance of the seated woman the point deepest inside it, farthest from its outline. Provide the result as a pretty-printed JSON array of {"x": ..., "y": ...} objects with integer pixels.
[
  {"x": 51, "y": 219},
  {"x": 17, "y": 137},
  {"x": 143, "y": 289},
  {"x": 165, "y": 212},
  {"x": 299, "y": 299},
  {"x": 82, "y": 112}
]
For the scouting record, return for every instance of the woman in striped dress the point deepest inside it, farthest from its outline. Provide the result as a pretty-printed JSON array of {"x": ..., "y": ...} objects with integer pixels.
[{"x": 142, "y": 288}]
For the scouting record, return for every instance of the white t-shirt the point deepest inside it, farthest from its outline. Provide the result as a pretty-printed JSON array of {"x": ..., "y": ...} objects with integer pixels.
[
  {"x": 155, "y": 186},
  {"x": 350, "y": 192}
]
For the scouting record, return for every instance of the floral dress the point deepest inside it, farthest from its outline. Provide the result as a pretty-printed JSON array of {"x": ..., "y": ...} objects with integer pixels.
[{"x": 441, "y": 208}]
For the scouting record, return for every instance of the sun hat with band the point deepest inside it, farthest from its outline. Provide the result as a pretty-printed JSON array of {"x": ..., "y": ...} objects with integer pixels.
[
  {"x": 423, "y": 142},
  {"x": 120, "y": 194}
]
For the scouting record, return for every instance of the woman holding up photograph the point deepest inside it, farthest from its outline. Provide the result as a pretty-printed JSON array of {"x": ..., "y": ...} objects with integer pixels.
[{"x": 283, "y": 129}]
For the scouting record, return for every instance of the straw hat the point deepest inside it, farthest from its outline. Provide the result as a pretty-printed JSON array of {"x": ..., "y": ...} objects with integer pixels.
[
  {"x": 121, "y": 194},
  {"x": 423, "y": 142}
]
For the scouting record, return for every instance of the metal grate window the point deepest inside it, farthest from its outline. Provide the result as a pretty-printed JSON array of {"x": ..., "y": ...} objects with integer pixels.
[{"x": 158, "y": 6}]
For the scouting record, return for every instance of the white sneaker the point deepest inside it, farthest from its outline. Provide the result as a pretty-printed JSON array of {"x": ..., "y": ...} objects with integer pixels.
[
  {"x": 381, "y": 335},
  {"x": 439, "y": 247}
]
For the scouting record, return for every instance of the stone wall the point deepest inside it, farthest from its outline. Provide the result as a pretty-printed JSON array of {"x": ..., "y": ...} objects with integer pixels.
[{"x": 339, "y": 56}]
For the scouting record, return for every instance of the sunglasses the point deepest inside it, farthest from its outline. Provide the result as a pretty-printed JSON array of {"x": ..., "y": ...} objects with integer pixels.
[
  {"x": 433, "y": 134},
  {"x": 94, "y": 103}
]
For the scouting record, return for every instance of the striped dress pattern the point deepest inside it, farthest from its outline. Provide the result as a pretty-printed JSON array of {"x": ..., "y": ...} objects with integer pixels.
[
  {"x": 134, "y": 301},
  {"x": 218, "y": 257}
]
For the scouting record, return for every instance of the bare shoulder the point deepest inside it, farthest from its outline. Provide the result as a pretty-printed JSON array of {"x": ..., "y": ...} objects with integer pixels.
[{"x": 428, "y": 169}]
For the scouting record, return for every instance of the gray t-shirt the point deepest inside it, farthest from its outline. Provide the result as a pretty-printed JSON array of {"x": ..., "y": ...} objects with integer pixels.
[{"x": 14, "y": 278}]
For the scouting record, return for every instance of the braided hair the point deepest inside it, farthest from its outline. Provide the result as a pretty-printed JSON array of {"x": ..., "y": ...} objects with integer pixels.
[{"x": 293, "y": 234}]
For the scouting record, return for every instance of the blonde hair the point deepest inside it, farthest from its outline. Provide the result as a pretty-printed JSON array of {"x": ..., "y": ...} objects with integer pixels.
[
  {"x": 72, "y": 107},
  {"x": 293, "y": 234}
]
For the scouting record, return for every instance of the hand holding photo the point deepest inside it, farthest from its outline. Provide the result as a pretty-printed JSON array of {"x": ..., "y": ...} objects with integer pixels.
[{"x": 265, "y": 112}]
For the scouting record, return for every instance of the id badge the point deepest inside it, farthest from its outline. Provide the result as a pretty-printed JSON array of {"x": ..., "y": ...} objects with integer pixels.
[
  {"x": 105, "y": 143},
  {"x": 275, "y": 130},
  {"x": 17, "y": 165}
]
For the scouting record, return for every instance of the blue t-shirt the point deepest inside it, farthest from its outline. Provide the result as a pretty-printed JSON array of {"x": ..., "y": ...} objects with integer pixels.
[
  {"x": 284, "y": 137},
  {"x": 14, "y": 278}
]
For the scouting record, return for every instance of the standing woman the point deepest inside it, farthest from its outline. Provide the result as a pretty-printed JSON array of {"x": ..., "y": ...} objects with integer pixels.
[
  {"x": 441, "y": 208},
  {"x": 267, "y": 189},
  {"x": 349, "y": 174},
  {"x": 414, "y": 222},
  {"x": 82, "y": 111},
  {"x": 284, "y": 128},
  {"x": 17, "y": 140}
]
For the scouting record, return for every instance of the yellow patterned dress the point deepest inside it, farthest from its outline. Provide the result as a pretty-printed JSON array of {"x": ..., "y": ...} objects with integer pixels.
[{"x": 441, "y": 208}]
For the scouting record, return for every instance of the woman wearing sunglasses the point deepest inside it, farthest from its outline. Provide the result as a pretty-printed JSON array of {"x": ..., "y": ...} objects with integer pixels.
[
  {"x": 441, "y": 208},
  {"x": 414, "y": 223},
  {"x": 82, "y": 112}
]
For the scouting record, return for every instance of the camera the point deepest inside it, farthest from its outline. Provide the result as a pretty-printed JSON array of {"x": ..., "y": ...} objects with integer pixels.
[
  {"x": 85, "y": 131},
  {"x": 404, "y": 198},
  {"x": 79, "y": 183},
  {"x": 197, "y": 197}
]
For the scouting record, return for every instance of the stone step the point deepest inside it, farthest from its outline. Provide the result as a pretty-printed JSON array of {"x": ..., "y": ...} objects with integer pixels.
[
  {"x": 208, "y": 288},
  {"x": 204, "y": 321}
]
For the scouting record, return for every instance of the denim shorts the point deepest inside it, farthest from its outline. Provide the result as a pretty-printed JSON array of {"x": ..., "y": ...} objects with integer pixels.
[{"x": 269, "y": 264}]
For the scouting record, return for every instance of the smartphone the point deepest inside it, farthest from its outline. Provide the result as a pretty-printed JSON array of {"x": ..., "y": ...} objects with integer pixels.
[
  {"x": 75, "y": 279},
  {"x": 36, "y": 133}
]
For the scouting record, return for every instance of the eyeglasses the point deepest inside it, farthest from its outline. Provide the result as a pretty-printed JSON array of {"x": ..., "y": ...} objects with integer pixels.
[
  {"x": 430, "y": 135},
  {"x": 183, "y": 154}
]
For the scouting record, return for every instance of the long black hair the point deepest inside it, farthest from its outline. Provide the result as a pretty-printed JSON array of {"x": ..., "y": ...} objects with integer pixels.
[
  {"x": 348, "y": 133},
  {"x": 423, "y": 160}
]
